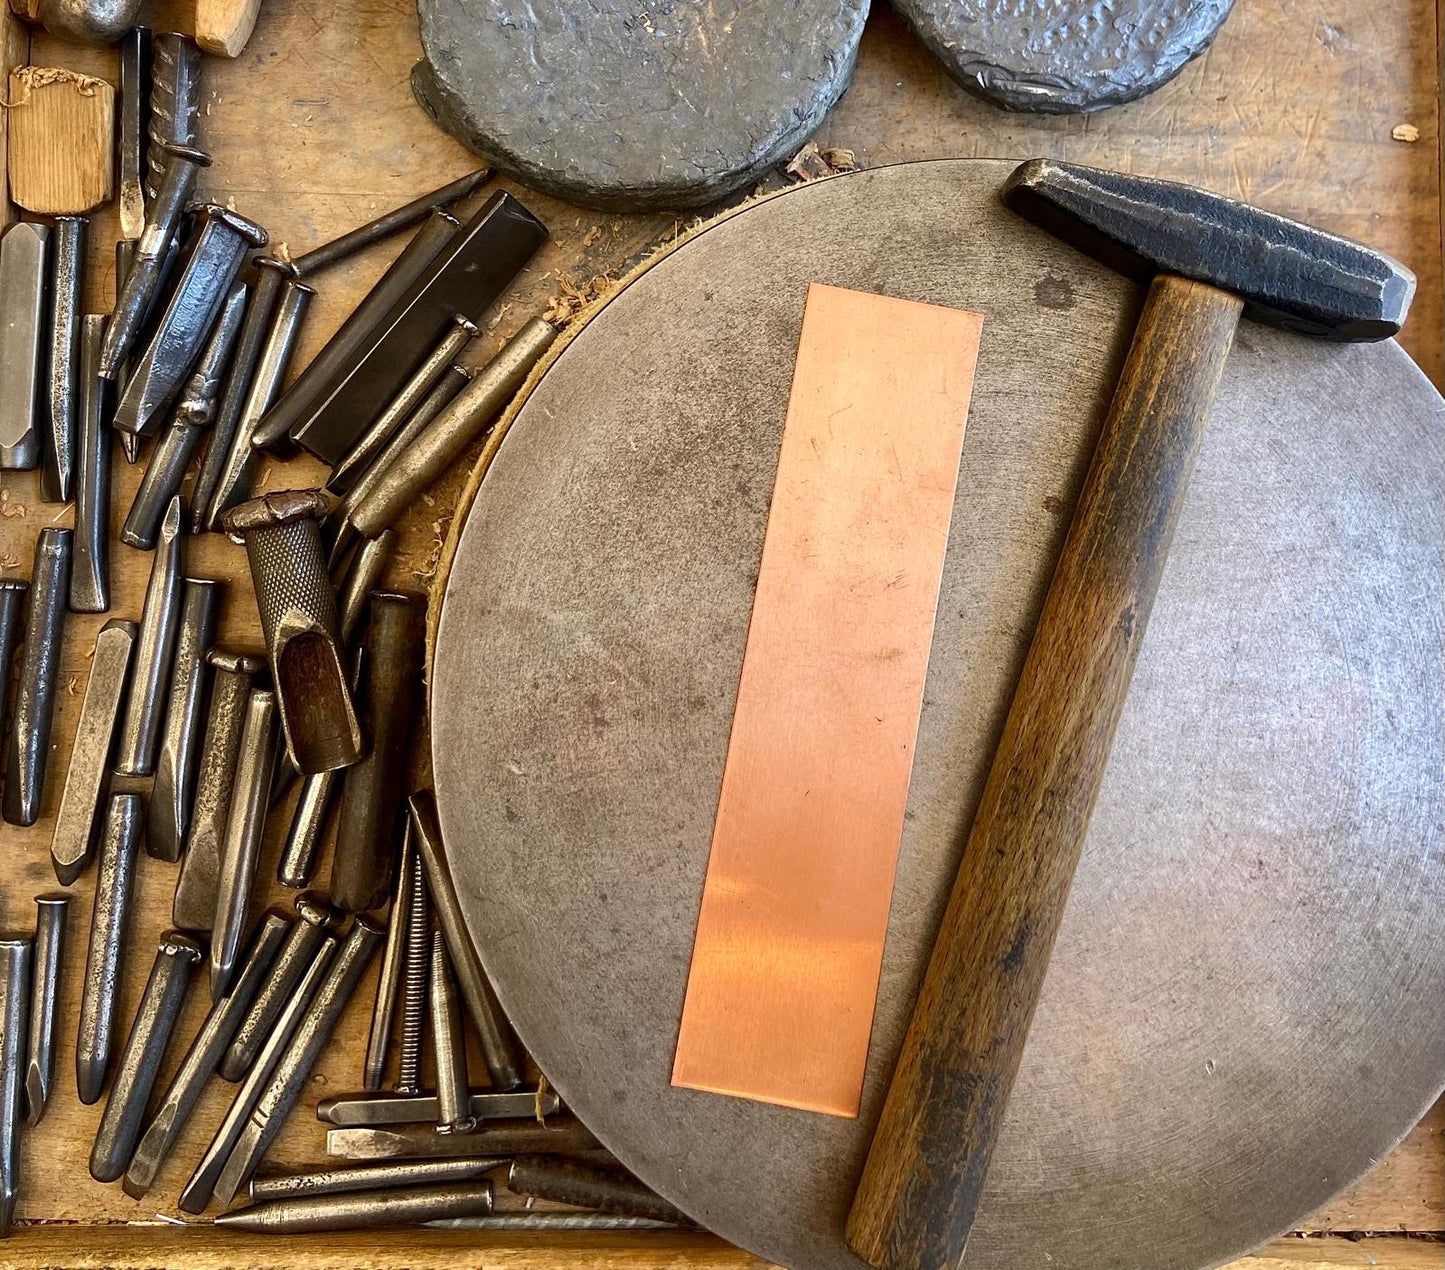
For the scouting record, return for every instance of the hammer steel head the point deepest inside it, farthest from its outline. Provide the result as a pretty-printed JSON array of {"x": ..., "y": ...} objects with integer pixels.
[{"x": 1288, "y": 274}]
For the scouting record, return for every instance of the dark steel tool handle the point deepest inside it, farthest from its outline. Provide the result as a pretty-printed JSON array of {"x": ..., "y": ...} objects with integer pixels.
[{"x": 925, "y": 1172}]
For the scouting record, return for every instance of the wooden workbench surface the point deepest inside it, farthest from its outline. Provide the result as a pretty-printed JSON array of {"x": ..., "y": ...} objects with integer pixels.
[{"x": 314, "y": 130}]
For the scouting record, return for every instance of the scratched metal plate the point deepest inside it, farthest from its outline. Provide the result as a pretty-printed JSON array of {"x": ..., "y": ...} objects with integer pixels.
[{"x": 1245, "y": 1004}]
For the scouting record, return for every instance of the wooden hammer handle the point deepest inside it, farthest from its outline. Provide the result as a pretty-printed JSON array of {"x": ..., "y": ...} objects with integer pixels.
[{"x": 925, "y": 1172}]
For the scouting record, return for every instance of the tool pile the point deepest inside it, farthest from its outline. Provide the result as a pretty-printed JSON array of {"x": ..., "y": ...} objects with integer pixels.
[{"x": 188, "y": 746}]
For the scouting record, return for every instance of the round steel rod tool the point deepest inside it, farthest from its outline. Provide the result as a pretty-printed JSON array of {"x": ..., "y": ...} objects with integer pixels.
[{"x": 52, "y": 913}]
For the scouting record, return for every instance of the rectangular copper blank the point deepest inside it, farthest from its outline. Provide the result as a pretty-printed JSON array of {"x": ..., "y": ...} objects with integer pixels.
[{"x": 795, "y": 906}]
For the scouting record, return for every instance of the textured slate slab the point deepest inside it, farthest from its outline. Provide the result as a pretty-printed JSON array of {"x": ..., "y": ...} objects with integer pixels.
[
  {"x": 1064, "y": 56},
  {"x": 629, "y": 105}
]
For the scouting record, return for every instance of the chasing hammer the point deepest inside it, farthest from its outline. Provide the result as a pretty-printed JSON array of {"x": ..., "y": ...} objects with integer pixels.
[{"x": 1210, "y": 260}]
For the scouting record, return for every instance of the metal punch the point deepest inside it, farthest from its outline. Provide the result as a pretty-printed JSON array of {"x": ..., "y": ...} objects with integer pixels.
[
  {"x": 450, "y": 1044},
  {"x": 567, "y": 1136},
  {"x": 24, "y": 271},
  {"x": 347, "y": 1111},
  {"x": 415, "y": 976},
  {"x": 393, "y": 222},
  {"x": 125, "y": 249},
  {"x": 368, "y": 1177},
  {"x": 12, "y": 609},
  {"x": 232, "y": 676},
  {"x": 388, "y": 704},
  {"x": 168, "y": 811},
  {"x": 586, "y": 1186},
  {"x": 298, "y": 614},
  {"x": 15, "y": 963},
  {"x": 393, "y": 962},
  {"x": 402, "y": 406},
  {"x": 57, "y": 438},
  {"x": 215, "y": 258},
  {"x": 180, "y": 440},
  {"x": 499, "y": 1050},
  {"x": 291, "y": 1074},
  {"x": 140, "y": 279},
  {"x": 551, "y": 1222},
  {"x": 316, "y": 919},
  {"x": 28, "y": 743},
  {"x": 241, "y": 845},
  {"x": 297, "y": 401},
  {"x": 90, "y": 573},
  {"x": 338, "y": 529},
  {"x": 197, "y": 1192},
  {"x": 404, "y": 1206},
  {"x": 52, "y": 913},
  {"x": 72, "y": 842},
  {"x": 272, "y": 276},
  {"x": 197, "y": 1067},
  {"x": 135, "y": 92},
  {"x": 155, "y": 651},
  {"x": 362, "y": 577},
  {"x": 175, "y": 102},
  {"x": 465, "y": 278},
  {"x": 100, "y": 994},
  {"x": 145, "y": 1050},
  {"x": 308, "y": 825},
  {"x": 238, "y": 471},
  {"x": 466, "y": 418}
]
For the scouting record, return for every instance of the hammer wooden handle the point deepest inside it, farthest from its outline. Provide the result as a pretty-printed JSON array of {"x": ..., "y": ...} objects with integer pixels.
[{"x": 925, "y": 1172}]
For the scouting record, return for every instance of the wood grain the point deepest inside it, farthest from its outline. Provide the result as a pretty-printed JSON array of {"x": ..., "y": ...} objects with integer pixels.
[
  {"x": 924, "y": 1177},
  {"x": 61, "y": 159},
  {"x": 314, "y": 131},
  {"x": 224, "y": 26}
]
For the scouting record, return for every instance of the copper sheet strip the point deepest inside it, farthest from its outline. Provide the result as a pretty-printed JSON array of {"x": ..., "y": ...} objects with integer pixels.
[{"x": 795, "y": 906}]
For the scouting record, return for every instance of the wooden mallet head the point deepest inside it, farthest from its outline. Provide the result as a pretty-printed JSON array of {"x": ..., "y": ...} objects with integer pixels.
[{"x": 1287, "y": 273}]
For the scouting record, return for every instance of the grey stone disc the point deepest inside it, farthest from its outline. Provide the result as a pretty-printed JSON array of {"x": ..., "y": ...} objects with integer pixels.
[
  {"x": 1245, "y": 1004},
  {"x": 629, "y": 106},
  {"x": 1064, "y": 56}
]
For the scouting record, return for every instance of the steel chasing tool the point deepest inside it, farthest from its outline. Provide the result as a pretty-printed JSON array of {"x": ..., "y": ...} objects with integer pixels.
[
  {"x": 145, "y": 1050},
  {"x": 388, "y": 704},
  {"x": 12, "y": 609},
  {"x": 551, "y": 1222},
  {"x": 357, "y": 1111},
  {"x": 298, "y": 614},
  {"x": 143, "y": 274},
  {"x": 567, "y": 1136},
  {"x": 401, "y": 407},
  {"x": 239, "y": 469},
  {"x": 296, "y": 402},
  {"x": 393, "y": 222},
  {"x": 363, "y": 576},
  {"x": 168, "y": 809},
  {"x": 405, "y": 1206},
  {"x": 197, "y": 1192},
  {"x": 308, "y": 824},
  {"x": 368, "y": 1177},
  {"x": 100, "y": 993},
  {"x": 289, "y": 1078},
  {"x": 241, "y": 845},
  {"x": 57, "y": 438},
  {"x": 15, "y": 969},
  {"x": 586, "y": 1186},
  {"x": 52, "y": 913},
  {"x": 28, "y": 743},
  {"x": 415, "y": 975},
  {"x": 272, "y": 275},
  {"x": 499, "y": 1050},
  {"x": 72, "y": 842},
  {"x": 24, "y": 271},
  {"x": 175, "y": 102},
  {"x": 199, "y": 1064},
  {"x": 232, "y": 676},
  {"x": 393, "y": 959},
  {"x": 316, "y": 919},
  {"x": 125, "y": 249},
  {"x": 466, "y": 418},
  {"x": 212, "y": 263},
  {"x": 90, "y": 573},
  {"x": 135, "y": 106},
  {"x": 180, "y": 440},
  {"x": 450, "y": 1045},
  {"x": 155, "y": 650}
]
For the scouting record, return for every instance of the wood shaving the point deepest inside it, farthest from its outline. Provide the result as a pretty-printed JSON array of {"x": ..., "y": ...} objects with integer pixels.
[
  {"x": 8, "y": 509},
  {"x": 592, "y": 235},
  {"x": 28, "y": 78},
  {"x": 70, "y": 686},
  {"x": 1406, "y": 132},
  {"x": 9, "y": 562},
  {"x": 428, "y": 571},
  {"x": 576, "y": 296},
  {"x": 812, "y": 164}
]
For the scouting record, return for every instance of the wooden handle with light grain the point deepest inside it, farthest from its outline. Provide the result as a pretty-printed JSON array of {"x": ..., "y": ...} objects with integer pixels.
[
  {"x": 925, "y": 1172},
  {"x": 224, "y": 26}
]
